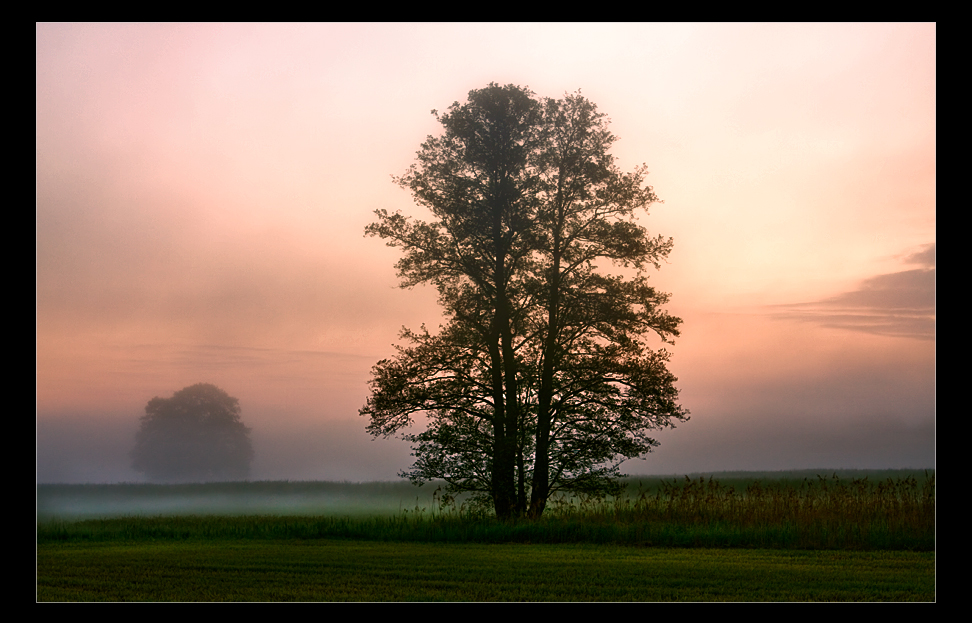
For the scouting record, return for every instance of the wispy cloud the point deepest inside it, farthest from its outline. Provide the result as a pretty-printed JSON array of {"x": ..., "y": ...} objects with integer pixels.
[{"x": 897, "y": 304}]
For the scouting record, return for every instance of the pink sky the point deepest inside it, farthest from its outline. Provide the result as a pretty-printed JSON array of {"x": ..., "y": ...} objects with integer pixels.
[{"x": 202, "y": 192}]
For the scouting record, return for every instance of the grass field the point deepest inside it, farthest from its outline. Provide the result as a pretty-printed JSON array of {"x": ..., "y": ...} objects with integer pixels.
[
  {"x": 327, "y": 570},
  {"x": 748, "y": 538}
]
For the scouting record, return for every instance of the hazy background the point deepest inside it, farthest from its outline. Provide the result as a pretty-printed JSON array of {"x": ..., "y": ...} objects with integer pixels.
[{"x": 202, "y": 192}]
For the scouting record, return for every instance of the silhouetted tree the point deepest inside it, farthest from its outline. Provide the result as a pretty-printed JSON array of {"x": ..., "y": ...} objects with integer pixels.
[
  {"x": 542, "y": 378},
  {"x": 196, "y": 435}
]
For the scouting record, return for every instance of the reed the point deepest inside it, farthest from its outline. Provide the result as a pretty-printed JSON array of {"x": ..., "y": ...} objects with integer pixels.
[{"x": 825, "y": 512}]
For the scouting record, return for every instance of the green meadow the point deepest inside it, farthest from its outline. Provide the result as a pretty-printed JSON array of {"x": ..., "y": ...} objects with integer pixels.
[{"x": 784, "y": 536}]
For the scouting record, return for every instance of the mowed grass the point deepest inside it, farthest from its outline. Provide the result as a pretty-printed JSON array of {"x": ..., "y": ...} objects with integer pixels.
[{"x": 329, "y": 570}]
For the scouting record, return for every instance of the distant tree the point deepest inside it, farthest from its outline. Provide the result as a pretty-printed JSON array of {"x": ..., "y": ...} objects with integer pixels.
[
  {"x": 196, "y": 436},
  {"x": 542, "y": 379}
]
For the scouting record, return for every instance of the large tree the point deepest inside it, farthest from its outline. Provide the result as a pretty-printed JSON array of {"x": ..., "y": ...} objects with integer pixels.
[
  {"x": 541, "y": 379},
  {"x": 194, "y": 436}
]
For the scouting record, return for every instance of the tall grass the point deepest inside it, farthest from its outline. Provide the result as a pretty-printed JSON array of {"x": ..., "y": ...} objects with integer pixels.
[{"x": 820, "y": 513}]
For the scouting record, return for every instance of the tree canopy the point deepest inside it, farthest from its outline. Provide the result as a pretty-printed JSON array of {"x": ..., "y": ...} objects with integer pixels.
[
  {"x": 196, "y": 435},
  {"x": 541, "y": 379}
]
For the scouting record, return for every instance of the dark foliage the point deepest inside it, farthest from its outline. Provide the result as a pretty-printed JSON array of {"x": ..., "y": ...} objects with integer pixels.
[
  {"x": 194, "y": 436},
  {"x": 542, "y": 380}
]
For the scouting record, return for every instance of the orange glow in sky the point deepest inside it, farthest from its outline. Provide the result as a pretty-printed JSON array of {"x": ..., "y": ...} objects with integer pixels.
[{"x": 202, "y": 193}]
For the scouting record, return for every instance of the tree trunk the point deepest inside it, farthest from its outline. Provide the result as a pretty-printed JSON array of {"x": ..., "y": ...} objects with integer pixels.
[
  {"x": 504, "y": 378},
  {"x": 541, "y": 468}
]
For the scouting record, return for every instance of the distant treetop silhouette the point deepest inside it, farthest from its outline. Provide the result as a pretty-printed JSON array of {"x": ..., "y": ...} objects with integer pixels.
[{"x": 194, "y": 436}]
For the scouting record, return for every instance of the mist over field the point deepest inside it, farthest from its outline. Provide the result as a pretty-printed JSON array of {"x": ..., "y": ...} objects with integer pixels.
[
  {"x": 203, "y": 191},
  {"x": 95, "y": 449}
]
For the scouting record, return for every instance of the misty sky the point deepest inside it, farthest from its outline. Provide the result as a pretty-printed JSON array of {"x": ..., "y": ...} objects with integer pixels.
[{"x": 202, "y": 193}]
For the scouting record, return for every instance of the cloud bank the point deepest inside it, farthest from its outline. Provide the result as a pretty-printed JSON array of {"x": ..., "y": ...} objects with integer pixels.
[{"x": 900, "y": 304}]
